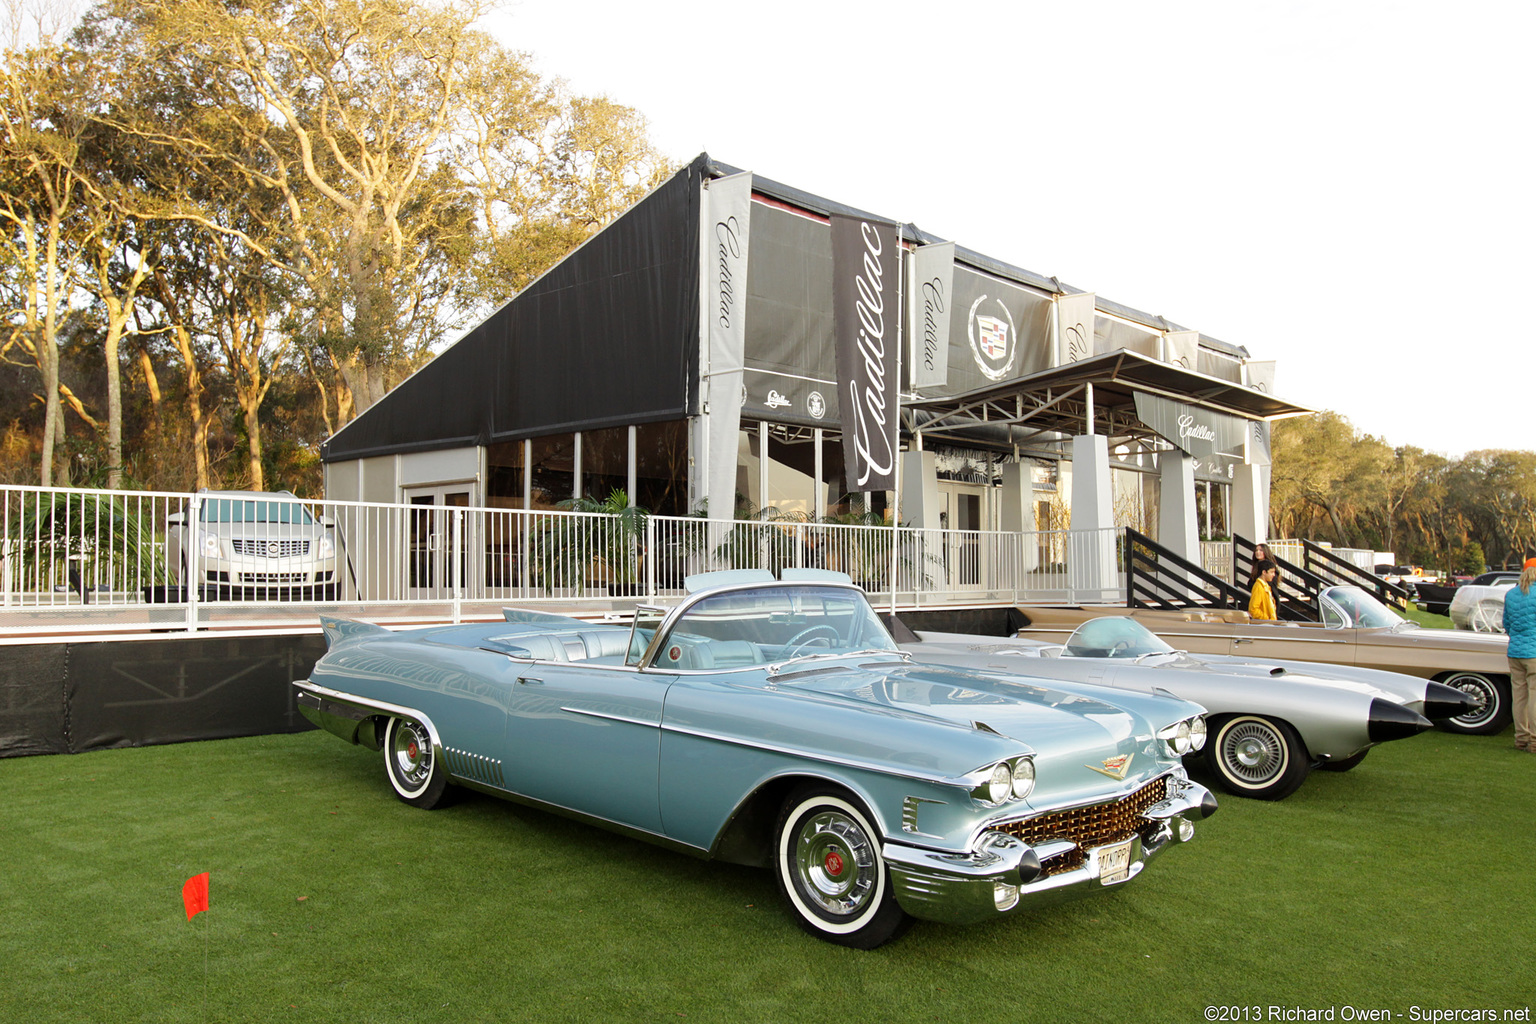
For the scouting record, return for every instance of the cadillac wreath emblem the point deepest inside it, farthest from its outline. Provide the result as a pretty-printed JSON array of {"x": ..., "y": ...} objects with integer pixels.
[{"x": 1115, "y": 767}]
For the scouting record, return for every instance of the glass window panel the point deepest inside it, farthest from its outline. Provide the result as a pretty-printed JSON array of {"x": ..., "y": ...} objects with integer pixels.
[{"x": 554, "y": 470}]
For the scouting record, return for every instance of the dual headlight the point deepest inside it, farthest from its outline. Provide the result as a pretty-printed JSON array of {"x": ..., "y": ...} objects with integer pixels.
[
  {"x": 1013, "y": 779},
  {"x": 1184, "y": 737}
]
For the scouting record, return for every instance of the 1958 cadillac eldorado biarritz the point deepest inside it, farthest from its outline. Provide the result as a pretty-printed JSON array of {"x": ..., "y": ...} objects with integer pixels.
[
  {"x": 774, "y": 722},
  {"x": 1356, "y": 629}
]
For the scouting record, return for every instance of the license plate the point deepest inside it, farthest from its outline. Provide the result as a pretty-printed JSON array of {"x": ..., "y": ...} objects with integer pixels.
[{"x": 1115, "y": 862}]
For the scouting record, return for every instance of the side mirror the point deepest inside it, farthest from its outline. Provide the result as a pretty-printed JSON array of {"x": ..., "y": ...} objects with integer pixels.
[
  {"x": 176, "y": 519},
  {"x": 328, "y": 522}
]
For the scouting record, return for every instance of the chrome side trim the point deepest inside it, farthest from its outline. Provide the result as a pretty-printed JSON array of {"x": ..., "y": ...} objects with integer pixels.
[
  {"x": 842, "y": 762},
  {"x": 369, "y": 704},
  {"x": 612, "y": 718}
]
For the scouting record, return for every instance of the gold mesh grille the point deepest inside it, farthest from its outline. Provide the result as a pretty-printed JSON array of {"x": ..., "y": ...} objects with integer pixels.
[{"x": 1088, "y": 827}]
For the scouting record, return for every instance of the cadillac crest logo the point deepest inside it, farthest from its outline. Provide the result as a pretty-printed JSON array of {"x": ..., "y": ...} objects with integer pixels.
[
  {"x": 993, "y": 336},
  {"x": 816, "y": 405},
  {"x": 1115, "y": 767}
]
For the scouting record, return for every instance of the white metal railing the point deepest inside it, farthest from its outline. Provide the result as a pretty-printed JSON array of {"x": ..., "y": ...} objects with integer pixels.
[{"x": 74, "y": 561}]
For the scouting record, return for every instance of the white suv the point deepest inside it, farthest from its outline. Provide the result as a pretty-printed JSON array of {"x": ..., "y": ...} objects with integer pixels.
[{"x": 258, "y": 543}]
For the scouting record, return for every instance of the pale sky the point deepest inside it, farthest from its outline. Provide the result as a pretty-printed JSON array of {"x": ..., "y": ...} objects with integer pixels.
[{"x": 1344, "y": 187}]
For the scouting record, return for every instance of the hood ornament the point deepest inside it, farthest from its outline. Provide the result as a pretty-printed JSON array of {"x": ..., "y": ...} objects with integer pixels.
[{"x": 1116, "y": 768}]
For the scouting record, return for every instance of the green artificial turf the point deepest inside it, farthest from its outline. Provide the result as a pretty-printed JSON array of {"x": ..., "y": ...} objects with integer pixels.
[
  {"x": 1424, "y": 618},
  {"x": 1404, "y": 883}
]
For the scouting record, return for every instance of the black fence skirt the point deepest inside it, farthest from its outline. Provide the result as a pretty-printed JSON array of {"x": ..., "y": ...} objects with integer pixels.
[{"x": 66, "y": 698}]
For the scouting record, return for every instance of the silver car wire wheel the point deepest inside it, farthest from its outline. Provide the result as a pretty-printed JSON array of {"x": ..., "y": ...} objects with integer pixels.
[
  {"x": 1488, "y": 719},
  {"x": 1258, "y": 757}
]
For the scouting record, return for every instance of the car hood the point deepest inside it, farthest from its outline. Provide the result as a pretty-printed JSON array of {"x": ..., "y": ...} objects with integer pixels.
[{"x": 1068, "y": 731}]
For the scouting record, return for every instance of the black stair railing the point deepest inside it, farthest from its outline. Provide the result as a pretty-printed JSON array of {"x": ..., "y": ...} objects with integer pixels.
[
  {"x": 1296, "y": 589},
  {"x": 1338, "y": 572},
  {"x": 1157, "y": 578}
]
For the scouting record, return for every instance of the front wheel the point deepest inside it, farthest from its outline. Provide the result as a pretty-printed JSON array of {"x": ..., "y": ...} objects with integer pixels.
[
  {"x": 1492, "y": 714},
  {"x": 1257, "y": 757},
  {"x": 829, "y": 867},
  {"x": 412, "y": 765}
]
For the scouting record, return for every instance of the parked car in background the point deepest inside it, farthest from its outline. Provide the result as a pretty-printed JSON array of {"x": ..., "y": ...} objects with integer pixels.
[
  {"x": 1479, "y": 606},
  {"x": 1437, "y": 598},
  {"x": 1356, "y": 630},
  {"x": 776, "y": 723},
  {"x": 1271, "y": 721},
  {"x": 259, "y": 544},
  {"x": 1406, "y": 576}
]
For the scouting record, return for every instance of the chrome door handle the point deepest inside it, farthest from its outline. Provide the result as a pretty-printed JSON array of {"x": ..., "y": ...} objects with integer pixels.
[{"x": 530, "y": 681}]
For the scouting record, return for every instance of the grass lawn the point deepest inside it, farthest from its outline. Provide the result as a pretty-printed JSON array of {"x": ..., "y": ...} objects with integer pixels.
[{"x": 1404, "y": 883}]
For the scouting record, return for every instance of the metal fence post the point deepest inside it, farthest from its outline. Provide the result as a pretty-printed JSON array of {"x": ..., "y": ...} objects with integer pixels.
[
  {"x": 192, "y": 556},
  {"x": 456, "y": 565}
]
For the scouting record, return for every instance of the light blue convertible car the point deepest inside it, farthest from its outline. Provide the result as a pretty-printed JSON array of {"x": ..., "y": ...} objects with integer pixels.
[{"x": 774, "y": 722}]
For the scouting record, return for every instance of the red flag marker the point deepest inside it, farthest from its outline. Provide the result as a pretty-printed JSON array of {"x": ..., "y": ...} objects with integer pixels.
[{"x": 194, "y": 893}]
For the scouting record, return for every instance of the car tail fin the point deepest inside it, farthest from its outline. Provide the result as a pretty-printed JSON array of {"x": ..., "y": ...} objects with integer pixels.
[{"x": 337, "y": 630}]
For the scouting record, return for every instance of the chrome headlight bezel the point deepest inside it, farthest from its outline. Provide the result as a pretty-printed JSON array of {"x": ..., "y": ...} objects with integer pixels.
[
  {"x": 1004, "y": 781},
  {"x": 1023, "y": 777},
  {"x": 1186, "y": 736}
]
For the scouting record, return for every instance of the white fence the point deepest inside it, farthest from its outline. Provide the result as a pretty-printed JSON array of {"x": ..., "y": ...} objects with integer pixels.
[{"x": 77, "y": 561}]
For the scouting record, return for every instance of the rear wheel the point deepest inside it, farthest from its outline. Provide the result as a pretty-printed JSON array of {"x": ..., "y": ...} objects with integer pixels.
[
  {"x": 1257, "y": 756},
  {"x": 828, "y": 865},
  {"x": 1491, "y": 716},
  {"x": 412, "y": 764}
]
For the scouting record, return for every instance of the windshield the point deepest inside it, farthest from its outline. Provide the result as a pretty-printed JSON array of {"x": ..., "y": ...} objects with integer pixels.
[
  {"x": 1114, "y": 636},
  {"x": 228, "y": 510},
  {"x": 760, "y": 625},
  {"x": 1351, "y": 606}
]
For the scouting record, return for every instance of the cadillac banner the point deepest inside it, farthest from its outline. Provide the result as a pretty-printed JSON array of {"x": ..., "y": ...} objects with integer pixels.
[
  {"x": 933, "y": 287},
  {"x": 865, "y": 307}
]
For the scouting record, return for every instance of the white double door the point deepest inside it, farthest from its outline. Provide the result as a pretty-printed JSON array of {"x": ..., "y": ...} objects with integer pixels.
[
  {"x": 437, "y": 541},
  {"x": 963, "y": 515}
]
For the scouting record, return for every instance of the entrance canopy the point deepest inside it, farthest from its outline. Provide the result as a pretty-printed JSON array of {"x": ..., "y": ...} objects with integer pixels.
[{"x": 1058, "y": 402}]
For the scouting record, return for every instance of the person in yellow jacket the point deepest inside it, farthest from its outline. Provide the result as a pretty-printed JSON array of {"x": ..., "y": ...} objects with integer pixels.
[{"x": 1262, "y": 604}]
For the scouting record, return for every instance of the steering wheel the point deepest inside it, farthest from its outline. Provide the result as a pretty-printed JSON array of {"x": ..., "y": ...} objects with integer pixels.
[
  {"x": 809, "y": 635},
  {"x": 1121, "y": 649}
]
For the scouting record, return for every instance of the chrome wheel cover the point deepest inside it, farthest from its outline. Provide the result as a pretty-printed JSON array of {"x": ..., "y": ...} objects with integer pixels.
[
  {"x": 834, "y": 864},
  {"x": 411, "y": 755},
  {"x": 1253, "y": 752}
]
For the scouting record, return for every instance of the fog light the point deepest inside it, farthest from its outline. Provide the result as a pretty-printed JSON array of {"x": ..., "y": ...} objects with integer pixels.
[
  {"x": 1005, "y": 896},
  {"x": 1186, "y": 830}
]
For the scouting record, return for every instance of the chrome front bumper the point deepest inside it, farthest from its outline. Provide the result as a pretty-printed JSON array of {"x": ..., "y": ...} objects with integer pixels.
[{"x": 1004, "y": 874}]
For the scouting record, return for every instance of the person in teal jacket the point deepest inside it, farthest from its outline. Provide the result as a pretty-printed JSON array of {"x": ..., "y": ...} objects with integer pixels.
[{"x": 1520, "y": 624}]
